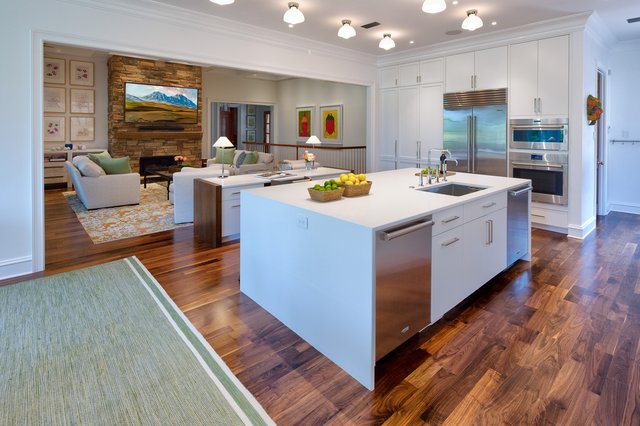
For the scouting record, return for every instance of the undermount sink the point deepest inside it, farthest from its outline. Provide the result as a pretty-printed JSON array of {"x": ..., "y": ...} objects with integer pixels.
[{"x": 453, "y": 189}]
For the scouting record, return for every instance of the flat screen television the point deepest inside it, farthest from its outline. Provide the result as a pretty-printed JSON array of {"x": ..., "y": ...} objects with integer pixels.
[{"x": 151, "y": 104}]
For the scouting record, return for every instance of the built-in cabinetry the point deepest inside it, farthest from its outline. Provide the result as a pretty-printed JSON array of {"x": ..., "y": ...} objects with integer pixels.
[
  {"x": 480, "y": 70},
  {"x": 539, "y": 79},
  {"x": 54, "y": 172},
  {"x": 474, "y": 233},
  {"x": 231, "y": 208},
  {"x": 411, "y": 115},
  {"x": 425, "y": 72}
]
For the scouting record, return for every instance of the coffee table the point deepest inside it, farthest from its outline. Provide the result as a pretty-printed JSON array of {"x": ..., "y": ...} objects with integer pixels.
[{"x": 167, "y": 175}]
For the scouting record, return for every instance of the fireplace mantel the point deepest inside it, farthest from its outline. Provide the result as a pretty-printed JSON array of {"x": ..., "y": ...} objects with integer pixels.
[{"x": 159, "y": 134}]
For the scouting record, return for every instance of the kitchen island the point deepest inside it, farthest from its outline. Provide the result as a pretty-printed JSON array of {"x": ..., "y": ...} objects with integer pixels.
[{"x": 313, "y": 265}]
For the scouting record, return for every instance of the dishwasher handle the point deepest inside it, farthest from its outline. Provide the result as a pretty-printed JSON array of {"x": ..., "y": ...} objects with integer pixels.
[
  {"x": 520, "y": 192},
  {"x": 388, "y": 236}
]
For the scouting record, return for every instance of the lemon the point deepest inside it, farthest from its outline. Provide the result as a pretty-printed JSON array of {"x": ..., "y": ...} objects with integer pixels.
[
  {"x": 348, "y": 182},
  {"x": 362, "y": 176}
]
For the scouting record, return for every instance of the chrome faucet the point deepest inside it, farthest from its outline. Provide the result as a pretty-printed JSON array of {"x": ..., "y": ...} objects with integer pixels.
[{"x": 444, "y": 166}]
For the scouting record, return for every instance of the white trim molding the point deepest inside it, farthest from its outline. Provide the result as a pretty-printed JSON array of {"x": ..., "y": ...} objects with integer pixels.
[
  {"x": 624, "y": 208},
  {"x": 10, "y": 268},
  {"x": 581, "y": 232}
]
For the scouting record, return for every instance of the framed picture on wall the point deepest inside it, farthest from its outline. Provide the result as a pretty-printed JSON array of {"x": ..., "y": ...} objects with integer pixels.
[
  {"x": 82, "y": 128},
  {"x": 82, "y": 101},
  {"x": 251, "y": 110},
  {"x": 304, "y": 122},
  {"x": 331, "y": 123},
  {"x": 54, "y": 99},
  {"x": 54, "y": 71},
  {"x": 251, "y": 121},
  {"x": 81, "y": 73},
  {"x": 53, "y": 129},
  {"x": 251, "y": 135}
]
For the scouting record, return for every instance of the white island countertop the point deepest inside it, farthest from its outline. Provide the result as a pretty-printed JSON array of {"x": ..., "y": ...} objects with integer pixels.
[{"x": 393, "y": 197}]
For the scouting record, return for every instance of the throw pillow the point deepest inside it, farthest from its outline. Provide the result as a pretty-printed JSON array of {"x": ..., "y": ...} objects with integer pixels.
[
  {"x": 96, "y": 157},
  {"x": 240, "y": 158},
  {"x": 115, "y": 166},
  {"x": 87, "y": 167},
  {"x": 251, "y": 158},
  {"x": 225, "y": 155}
]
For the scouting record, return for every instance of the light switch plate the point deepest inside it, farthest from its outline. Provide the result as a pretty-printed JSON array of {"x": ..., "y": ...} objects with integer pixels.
[{"x": 303, "y": 222}]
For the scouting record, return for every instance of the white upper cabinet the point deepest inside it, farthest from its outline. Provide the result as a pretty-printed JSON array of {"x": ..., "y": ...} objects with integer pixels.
[
  {"x": 481, "y": 70},
  {"x": 388, "y": 77},
  {"x": 540, "y": 78},
  {"x": 409, "y": 74},
  {"x": 432, "y": 71}
]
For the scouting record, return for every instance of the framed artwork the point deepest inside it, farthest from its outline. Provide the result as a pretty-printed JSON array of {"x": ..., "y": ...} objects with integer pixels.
[
  {"x": 53, "y": 129},
  {"x": 331, "y": 121},
  {"x": 251, "y": 121},
  {"x": 81, "y": 73},
  {"x": 82, "y": 101},
  {"x": 54, "y": 99},
  {"x": 251, "y": 110},
  {"x": 304, "y": 120},
  {"x": 251, "y": 135},
  {"x": 82, "y": 128},
  {"x": 54, "y": 71}
]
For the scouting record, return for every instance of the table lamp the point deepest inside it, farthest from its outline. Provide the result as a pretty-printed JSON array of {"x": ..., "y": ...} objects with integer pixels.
[{"x": 222, "y": 143}]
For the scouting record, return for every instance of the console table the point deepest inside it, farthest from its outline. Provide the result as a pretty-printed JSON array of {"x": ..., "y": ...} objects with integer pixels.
[{"x": 54, "y": 172}]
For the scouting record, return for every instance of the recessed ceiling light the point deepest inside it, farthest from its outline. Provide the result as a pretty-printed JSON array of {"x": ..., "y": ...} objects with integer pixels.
[
  {"x": 222, "y": 2},
  {"x": 494, "y": 23},
  {"x": 411, "y": 42},
  {"x": 454, "y": 2}
]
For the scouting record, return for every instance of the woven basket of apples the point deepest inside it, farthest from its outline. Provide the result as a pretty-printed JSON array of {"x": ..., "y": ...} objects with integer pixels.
[{"x": 355, "y": 185}]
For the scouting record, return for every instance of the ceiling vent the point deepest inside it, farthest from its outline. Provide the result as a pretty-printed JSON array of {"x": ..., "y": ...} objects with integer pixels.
[
  {"x": 632, "y": 20},
  {"x": 370, "y": 25}
]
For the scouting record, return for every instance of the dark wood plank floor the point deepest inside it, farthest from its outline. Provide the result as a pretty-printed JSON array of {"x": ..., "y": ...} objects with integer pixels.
[{"x": 554, "y": 341}]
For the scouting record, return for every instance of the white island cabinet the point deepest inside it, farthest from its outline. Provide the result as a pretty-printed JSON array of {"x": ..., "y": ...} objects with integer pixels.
[{"x": 312, "y": 265}]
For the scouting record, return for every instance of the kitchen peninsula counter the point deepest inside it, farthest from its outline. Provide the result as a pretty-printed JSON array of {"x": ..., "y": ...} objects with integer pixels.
[{"x": 312, "y": 265}]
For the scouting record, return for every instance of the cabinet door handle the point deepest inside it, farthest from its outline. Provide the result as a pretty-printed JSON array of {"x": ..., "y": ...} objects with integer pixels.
[
  {"x": 539, "y": 106},
  {"x": 486, "y": 206},
  {"x": 235, "y": 193},
  {"x": 491, "y": 229},
  {"x": 451, "y": 219},
  {"x": 472, "y": 82},
  {"x": 451, "y": 241},
  {"x": 475, "y": 81},
  {"x": 538, "y": 215}
]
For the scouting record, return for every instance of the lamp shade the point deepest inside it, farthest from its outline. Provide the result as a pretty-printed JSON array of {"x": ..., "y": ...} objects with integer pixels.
[
  {"x": 346, "y": 31},
  {"x": 313, "y": 140},
  {"x": 472, "y": 22},
  {"x": 433, "y": 6},
  {"x": 387, "y": 42},
  {"x": 223, "y": 142},
  {"x": 222, "y": 2},
  {"x": 293, "y": 15}
]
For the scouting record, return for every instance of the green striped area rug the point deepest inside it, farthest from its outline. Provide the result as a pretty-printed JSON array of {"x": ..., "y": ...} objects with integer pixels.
[{"x": 106, "y": 346}]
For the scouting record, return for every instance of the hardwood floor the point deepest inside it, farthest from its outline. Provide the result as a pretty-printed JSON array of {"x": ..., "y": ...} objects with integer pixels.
[{"x": 554, "y": 341}]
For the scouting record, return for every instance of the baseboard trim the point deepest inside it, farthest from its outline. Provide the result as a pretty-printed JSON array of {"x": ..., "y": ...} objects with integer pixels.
[
  {"x": 581, "y": 232},
  {"x": 551, "y": 228},
  {"x": 624, "y": 208},
  {"x": 10, "y": 268}
]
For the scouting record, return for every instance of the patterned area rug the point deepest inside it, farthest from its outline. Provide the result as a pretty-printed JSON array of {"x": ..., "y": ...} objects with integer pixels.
[
  {"x": 107, "y": 346},
  {"x": 153, "y": 214}
]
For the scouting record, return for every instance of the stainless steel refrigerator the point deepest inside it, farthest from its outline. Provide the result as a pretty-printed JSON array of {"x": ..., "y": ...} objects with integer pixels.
[{"x": 475, "y": 131}]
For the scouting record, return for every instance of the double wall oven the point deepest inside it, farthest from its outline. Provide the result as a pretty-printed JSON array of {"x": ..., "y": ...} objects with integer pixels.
[{"x": 539, "y": 151}]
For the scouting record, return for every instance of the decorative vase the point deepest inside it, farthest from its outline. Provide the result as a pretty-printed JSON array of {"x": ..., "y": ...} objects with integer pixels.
[{"x": 309, "y": 165}]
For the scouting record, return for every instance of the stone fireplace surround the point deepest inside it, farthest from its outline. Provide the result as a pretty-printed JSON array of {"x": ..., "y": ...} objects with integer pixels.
[{"x": 127, "y": 139}]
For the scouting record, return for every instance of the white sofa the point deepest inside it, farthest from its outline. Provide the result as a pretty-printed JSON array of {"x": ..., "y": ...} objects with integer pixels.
[
  {"x": 181, "y": 190},
  {"x": 105, "y": 190},
  {"x": 265, "y": 163}
]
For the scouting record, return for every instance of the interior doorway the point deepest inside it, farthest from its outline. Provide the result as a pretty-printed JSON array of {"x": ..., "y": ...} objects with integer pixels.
[
  {"x": 229, "y": 124},
  {"x": 601, "y": 208}
]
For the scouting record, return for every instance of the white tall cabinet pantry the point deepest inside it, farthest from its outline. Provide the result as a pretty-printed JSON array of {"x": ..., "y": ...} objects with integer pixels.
[
  {"x": 479, "y": 70},
  {"x": 410, "y": 113},
  {"x": 540, "y": 78}
]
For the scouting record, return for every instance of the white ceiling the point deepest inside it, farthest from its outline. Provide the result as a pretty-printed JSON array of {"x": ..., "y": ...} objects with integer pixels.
[{"x": 405, "y": 20}]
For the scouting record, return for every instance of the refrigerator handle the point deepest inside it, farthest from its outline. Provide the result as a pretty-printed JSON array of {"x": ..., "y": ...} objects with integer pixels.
[
  {"x": 469, "y": 143},
  {"x": 473, "y": 138}
]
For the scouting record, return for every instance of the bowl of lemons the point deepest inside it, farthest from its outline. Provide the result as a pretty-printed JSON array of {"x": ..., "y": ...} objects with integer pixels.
[{"x": 355, "y": 184}]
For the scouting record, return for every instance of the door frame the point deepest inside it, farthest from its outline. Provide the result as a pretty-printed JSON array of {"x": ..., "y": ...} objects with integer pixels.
[{"x": 601, "y": 145}]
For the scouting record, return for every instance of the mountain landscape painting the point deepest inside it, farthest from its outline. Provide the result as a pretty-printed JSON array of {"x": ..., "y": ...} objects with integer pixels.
[{"x": 146, "y": 103}]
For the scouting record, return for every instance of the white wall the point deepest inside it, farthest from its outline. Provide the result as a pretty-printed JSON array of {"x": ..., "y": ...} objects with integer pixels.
[
  {"x": 100, "y": 88},
  {"x": 623, "y": 115},
  {"x": 305, "y": 92},
  {"x": 127, "y": 27}
]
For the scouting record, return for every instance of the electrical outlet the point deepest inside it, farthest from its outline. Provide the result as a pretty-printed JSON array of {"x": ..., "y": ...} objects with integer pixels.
[{"x": 303, "y": 222}]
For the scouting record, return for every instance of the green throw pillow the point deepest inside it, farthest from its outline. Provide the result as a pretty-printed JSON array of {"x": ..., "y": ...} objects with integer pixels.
[
  {"x": 99, "y": 156},
  {"x": 225, "y": 155},
  {"x": 251, "y": 158},
  {"x": 115, "y": 166}
]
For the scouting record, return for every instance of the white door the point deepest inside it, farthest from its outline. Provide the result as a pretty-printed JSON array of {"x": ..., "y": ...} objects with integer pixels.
[
  {"x": 431, "y": 119},
  {"x": 408, "y": 74},
  {"x": 459, "y": 72},
  {"x": 523, "y": 89},
  {"x": 448, "y": 284},
  {"x": 408, "y": 123},
  {"x": 491, "y": 68},
  {"x": 553, "y": 76},
  {"x": 388, "y": 120},
  {"x": 485, "y": 248}
]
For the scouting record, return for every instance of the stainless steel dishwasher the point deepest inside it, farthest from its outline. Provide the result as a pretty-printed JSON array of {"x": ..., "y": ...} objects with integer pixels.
[
  {"x": 518, "y": 223},
  {"x": 403, "y": 283}
]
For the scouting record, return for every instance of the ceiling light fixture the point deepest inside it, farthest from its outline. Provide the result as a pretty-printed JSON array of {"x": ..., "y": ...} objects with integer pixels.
[
  {"x": 346, "y": 31},
  {"x": 222, "y": 2},
  {"x": 387, "y": 42},
  {"x": 293, "y": 15},
  {"x": 472, "y": 22},
  {"x": 433, "y": 6}
]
